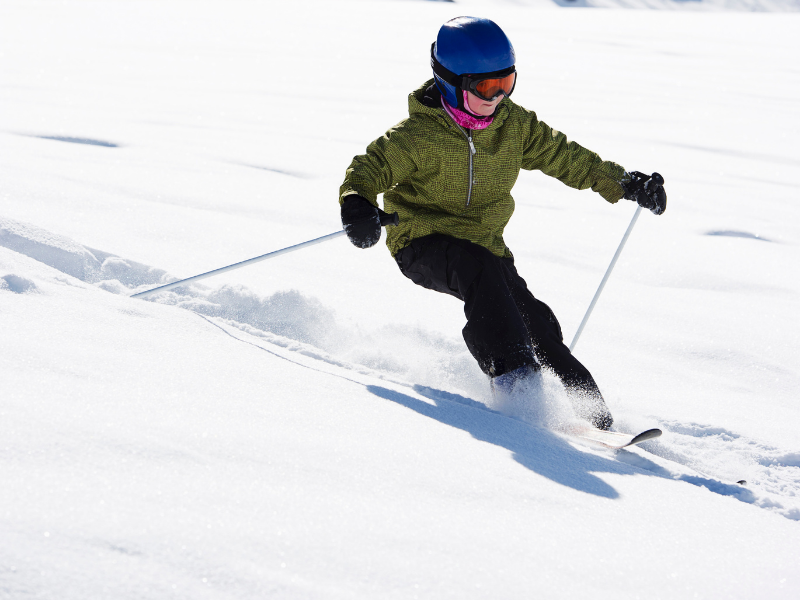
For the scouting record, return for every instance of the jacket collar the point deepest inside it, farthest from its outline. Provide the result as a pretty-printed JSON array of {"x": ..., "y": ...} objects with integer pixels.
[{"x": 418, "y": 105}]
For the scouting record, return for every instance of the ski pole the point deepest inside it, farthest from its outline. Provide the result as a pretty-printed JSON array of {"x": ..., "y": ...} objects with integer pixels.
[
  {"x": 386, "y": 219},
  {"x": 605, "y": 278}
]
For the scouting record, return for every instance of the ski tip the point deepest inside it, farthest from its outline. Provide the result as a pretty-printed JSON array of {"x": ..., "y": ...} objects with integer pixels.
[
  {"x": 742, "y": 482},
  {"x": 646, "y": 435}
]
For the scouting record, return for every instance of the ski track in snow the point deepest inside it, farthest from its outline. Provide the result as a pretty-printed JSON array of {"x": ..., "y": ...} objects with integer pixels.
[{"x": 302, "y": 330}]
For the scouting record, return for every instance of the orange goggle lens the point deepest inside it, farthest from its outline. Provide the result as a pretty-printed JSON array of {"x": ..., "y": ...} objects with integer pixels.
[{"x": 491, "y": 88}]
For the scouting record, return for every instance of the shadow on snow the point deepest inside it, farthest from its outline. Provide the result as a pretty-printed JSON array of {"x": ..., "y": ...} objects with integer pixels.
[
  {"x": 77, "y": 140},
  {"x": 539, "y": 450}
]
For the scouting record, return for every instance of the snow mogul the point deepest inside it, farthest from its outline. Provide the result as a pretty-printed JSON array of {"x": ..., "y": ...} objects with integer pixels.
[{"x": 448, "y": 170}]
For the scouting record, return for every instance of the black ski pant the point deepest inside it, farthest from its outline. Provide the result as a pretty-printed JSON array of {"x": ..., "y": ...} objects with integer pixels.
[{"x": 507, "y": 327}]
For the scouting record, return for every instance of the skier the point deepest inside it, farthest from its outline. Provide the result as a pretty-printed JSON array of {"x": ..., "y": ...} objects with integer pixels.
[{"x": 448, "y": 170}]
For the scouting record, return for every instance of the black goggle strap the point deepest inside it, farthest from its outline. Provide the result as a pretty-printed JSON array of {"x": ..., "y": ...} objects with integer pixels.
[
  {"x": 443, "y": 72},
  {"x": 465, "y": 82}
]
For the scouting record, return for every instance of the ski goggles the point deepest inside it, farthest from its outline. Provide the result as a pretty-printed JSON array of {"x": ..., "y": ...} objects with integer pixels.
[
  {"x": 490, "y": 88},
  {"x": 486, "y": 86}
]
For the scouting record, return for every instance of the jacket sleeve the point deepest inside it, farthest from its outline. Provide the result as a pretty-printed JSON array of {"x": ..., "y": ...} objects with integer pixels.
[
  {"x": 549, "y": 151},
  {"x": 388, "y": 160}
]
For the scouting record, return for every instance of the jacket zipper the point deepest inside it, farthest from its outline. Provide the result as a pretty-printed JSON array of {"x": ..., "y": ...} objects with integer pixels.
[{"x": 471, "y": 154}]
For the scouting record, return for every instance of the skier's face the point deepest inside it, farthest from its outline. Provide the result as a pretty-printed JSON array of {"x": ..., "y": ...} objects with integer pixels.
[{"x": 481, "y": 107}]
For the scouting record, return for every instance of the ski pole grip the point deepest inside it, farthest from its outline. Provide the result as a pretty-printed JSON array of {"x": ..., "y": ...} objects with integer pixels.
[
  {"x": 657, "y": 179},
  {"x": 388, "y": 219}
]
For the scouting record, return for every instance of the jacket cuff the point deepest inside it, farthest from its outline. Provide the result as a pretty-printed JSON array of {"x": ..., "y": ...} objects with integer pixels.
[
  {"x": 608, "y": 177},
  {"x": 344, "y": 193}
]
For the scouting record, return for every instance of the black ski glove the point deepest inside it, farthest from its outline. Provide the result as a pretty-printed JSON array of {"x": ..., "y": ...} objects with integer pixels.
[
  {"x": 361, "y": 221},
  {"x": 647, "y": 191}
]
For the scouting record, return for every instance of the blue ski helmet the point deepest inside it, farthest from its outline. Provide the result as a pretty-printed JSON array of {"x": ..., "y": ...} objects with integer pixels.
[{"x": 469, "y": 46}]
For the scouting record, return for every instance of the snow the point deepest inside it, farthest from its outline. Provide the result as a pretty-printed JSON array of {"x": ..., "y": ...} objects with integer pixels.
[
  {"x": 675, "y": 5},
  {"x": 313, "y": 426}
]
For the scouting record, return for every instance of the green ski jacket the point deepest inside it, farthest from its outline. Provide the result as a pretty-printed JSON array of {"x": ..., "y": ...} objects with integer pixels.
[{"x": 444, "y": 179}]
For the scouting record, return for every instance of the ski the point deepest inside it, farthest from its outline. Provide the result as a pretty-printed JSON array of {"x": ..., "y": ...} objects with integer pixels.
[{"x": 612, "y": 439}]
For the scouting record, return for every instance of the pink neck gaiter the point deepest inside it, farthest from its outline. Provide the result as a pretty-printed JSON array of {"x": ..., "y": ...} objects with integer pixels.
[{"x": 467, "y": 119}]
